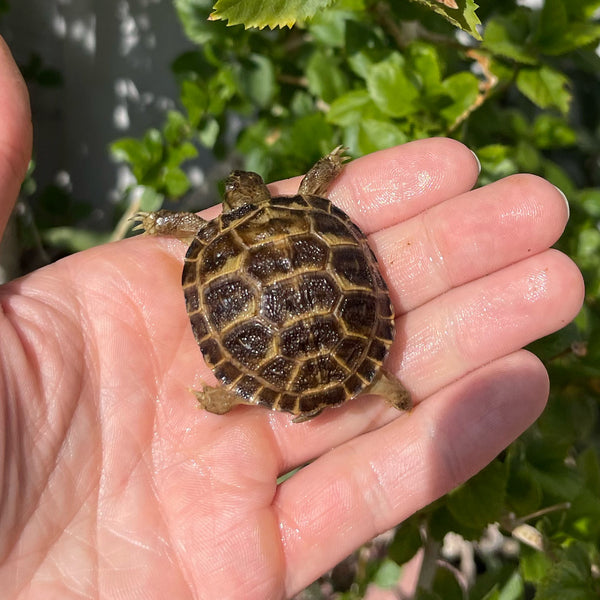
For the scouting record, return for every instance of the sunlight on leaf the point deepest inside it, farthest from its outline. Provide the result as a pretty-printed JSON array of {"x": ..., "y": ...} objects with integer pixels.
[{"x": 267, "y": 13}]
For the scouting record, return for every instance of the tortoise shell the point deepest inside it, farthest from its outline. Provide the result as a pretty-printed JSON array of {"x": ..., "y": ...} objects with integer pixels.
[
  {"x": 287, "y": 304},
  {"x": 285, "y": 298}
]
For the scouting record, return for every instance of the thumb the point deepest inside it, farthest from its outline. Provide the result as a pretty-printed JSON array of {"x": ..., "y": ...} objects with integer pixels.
[{"x": 15, "y": 133}]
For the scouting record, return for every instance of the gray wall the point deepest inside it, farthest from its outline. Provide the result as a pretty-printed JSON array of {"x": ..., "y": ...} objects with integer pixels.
[{"x": 114, "y": 56}]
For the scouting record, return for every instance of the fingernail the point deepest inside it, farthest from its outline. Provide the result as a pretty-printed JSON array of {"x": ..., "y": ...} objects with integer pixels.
[
  {"x": 478, "y": 161},
  {"x": 566, "y": 201}
]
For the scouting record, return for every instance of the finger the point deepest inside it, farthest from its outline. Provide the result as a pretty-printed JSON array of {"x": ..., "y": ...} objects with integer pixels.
[
  {"x": 447, "y": 338},
  {"x": 15, "y": 132},
  {"x": 468, "y": 237},
  {"x": 376, "y": 480},
  {"x": 389, "y": 186},
  {"x": 484, "y": 320}
]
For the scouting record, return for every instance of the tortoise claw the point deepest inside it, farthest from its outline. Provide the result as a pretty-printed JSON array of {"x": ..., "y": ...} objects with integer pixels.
[{"x": 142, "y": 217}]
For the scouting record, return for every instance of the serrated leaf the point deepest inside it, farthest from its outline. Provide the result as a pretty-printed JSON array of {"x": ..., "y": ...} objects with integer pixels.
[
  {"x": 464, "y": 16},
  {"x": 391, "y": 88},
  {"x": 266, "y": 13},
  {"x": 545, "y": 87}
]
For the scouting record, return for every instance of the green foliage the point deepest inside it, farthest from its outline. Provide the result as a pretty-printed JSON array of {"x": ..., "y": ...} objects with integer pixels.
[
  {"x": 270, "y": 13},
  {"x": 370, "y": 74}
]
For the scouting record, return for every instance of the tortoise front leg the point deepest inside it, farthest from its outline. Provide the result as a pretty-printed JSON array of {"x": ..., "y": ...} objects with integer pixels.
[
  {"x": 169, "y": 223},
  {"x": 320, "y": 176}
]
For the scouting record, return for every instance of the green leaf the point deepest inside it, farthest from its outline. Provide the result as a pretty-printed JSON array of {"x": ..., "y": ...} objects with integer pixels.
[
  {"x": 493, "y": 594},
  {"x": 266, "y": 13},
  {"x": 177, "y": 128},
  {"x": 463, "y": 88},
  {"x": 446, "y": 586},
  {"x": 496, "y": 162},
  {"x": 325, "y": 79},
  {"x": 194, "y": 98},
  {"x": 589, "y": 199},
  {"x": 328, "y": 27},
  {"x": 551, "y": 131},
  {"x": 208, "y": 132},
  {"x": 545, "y": 87},
  {"x": 391, "y": 88},
  {"x": 175, "y": 182},
  {"x": 257, "y": 80},
  {"x": 153, "y": 143},
  {"x": 534, "y": 564},
  {"x": 556, "y": 35},
  {"x": 387, "y": 575},
  {"x": 221, "y": 88},
  {"x": 194, "y": 18},
  {"x": 513, "y": 589},
  {"x": 74, "y": 239},
  {"x": 406, "y": 542},
  {"x": 570, "y": 578},
  {"x": 349, "y": 108},
  {"x": 377, "y": 135},
  {"x": 463, "y": 17},
  {"x": 179, "y": 154},
  {"x": 129, "y": 150},
  {"x": 425, "y": 61},
  {"x": 507, "y": 36},
  {"x": 149, "y": 198},
  {"x": 480, "y": 500}
]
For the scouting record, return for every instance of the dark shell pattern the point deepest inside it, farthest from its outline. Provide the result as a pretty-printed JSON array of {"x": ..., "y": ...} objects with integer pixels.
[{"x": 287, "y": 303}]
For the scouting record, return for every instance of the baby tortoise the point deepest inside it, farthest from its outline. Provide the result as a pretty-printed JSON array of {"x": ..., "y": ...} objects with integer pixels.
[{"x": 285, "y": 298}]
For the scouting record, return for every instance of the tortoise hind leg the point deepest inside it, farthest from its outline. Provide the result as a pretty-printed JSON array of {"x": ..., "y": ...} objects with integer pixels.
[
  {"x": 389, "y": 386},
  {"x": 218, "y": 400},
  {"x": 169, "y": 223},
  {"x": 320, "y": 176}
]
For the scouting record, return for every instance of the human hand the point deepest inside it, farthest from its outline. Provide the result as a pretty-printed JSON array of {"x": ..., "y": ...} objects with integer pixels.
[{"x": 113, "y": 484}]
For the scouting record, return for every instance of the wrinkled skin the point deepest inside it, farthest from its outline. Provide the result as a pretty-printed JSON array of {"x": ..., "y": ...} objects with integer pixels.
[{"x": 113, "y": 484}]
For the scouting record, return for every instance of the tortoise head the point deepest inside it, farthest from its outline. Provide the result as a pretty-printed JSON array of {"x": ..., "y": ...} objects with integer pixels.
[{"x": 244, "y": 187}]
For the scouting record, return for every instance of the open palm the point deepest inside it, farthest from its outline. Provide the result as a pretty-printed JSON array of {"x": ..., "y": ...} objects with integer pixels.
[{"x": 113, "y": 484}]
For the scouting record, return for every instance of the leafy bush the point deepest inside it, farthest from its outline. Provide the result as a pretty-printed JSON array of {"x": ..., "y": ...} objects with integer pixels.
[{"x": 521, "y": 87}]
